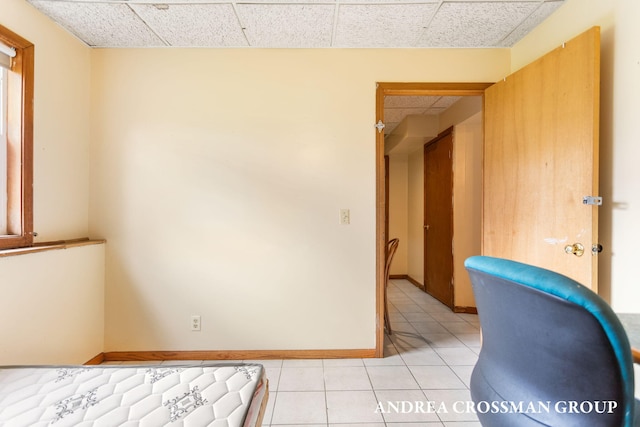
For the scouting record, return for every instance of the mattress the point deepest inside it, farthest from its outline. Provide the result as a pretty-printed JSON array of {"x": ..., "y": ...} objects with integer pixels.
[{"x": 127, "y": 395}]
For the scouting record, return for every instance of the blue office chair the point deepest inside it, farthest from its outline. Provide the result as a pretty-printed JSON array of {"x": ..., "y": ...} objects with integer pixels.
[{"x": 553, "y": 352}]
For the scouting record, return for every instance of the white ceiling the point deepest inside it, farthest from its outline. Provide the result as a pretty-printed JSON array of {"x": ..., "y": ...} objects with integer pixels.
[{"x": 298, "y": 23}]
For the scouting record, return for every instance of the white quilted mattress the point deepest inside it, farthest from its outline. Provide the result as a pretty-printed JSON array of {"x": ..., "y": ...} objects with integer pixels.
[{"x": 126, "y": 395}]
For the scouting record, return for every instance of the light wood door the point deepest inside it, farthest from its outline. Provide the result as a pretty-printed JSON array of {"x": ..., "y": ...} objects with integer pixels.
[
  {"x": 438, "y": 218},
  {"x": 541, "y": 159}
]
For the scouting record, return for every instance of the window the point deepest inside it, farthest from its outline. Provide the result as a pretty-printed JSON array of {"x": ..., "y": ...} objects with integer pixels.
[{"x": 16, "y": 140}]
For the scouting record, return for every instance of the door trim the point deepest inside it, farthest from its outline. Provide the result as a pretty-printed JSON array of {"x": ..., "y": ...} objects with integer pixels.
[{"x": 408, "y": 89}]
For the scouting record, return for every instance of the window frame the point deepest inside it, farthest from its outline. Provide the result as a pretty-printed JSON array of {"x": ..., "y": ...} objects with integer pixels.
[{"x": 20, "y": 80}]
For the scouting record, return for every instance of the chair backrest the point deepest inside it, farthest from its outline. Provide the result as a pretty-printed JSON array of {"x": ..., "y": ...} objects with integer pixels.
[
  {"x": 392, "y": 246},
  {"x": 550, "y": 345}
]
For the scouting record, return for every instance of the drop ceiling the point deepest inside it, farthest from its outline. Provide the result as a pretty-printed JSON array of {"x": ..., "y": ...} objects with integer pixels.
[
  {"x": 396, "y": 108},
  {"x": 298, "y": 23},
  {"x": 305, "y": 24}
]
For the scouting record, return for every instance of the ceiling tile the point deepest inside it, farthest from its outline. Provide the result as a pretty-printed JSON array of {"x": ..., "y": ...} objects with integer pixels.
[
  {"x": 531, "y": 22},
  {"x": 494, "y": 1},
  {"x": 194, "y": 24},
  {"x": 381, "y": 2},
  {"x": 475, "y": 23},
  {"x": 299, "y": 23},
  {"x": 383, "y": 25},
  {"x": 100, "y": 24},
  {"x": 446, "y": 101},
  {"x": 397, "y": 114},
  {"x": 287, "y": 25},
  {"x": 400, "y": 101},
  {"x": 282, "y": 1}
]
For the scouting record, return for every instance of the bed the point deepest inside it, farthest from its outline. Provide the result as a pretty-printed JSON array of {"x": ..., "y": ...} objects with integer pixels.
[{"x": 128, "y": 395}]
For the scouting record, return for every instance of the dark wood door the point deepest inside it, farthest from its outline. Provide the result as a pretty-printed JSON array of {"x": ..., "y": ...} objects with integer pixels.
[{"x": 438, "y": 218}]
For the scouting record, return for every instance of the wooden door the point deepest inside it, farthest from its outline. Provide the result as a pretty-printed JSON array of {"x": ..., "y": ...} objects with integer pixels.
[
  {"x": 541, "y": 160},
  {"x": 438, "y": 218}
]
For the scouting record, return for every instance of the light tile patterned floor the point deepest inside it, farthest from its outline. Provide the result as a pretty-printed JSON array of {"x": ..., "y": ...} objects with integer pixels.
[{"x": 428, "y": 360}]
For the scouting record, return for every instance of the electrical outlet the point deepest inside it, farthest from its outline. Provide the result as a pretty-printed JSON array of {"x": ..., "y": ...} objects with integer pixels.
[
  {"x": 195, "y": 323},
  {"x": 345, "y": 216}
]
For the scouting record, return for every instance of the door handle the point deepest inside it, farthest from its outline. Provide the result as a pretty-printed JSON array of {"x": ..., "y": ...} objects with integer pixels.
[
  {"x": 426, "y": 227},
  {"x": 577, "y": 249}
]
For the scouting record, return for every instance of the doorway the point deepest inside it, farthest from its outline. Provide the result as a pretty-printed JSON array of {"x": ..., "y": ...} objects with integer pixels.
[
  {"x": 557, "y": 94},
  {"x": 401, "y": 89}
]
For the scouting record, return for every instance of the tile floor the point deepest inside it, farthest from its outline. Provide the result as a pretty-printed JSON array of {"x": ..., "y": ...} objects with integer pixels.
[{"x": 428, "y": 360}]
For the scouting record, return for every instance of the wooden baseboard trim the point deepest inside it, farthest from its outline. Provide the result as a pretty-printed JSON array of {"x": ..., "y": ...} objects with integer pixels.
[
  {"x": 413, "y": 281},
  {"x": 469, "y": 310},
  {"x": 127, "y": 356},
  {"x": 96, "y": 360}
]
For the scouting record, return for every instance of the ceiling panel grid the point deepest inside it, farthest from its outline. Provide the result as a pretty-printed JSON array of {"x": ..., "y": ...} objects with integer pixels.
[{"x": 299, "y": 23}]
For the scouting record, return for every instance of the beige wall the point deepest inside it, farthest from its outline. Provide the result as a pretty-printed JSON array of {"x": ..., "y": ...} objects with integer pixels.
[
  {"x": 464, "y": 108},
  {"x": 619, "y": 130},
  {"x": 467, "y": 204},
  {"x": 52, "y": 306},
  {"x": 466, "y": 118},
  {"x": 217, "y": 177},
  {"x": 398, "y": 220},
  {"x": 52, "y": 309},
  {"x": 415, "y": 213}
]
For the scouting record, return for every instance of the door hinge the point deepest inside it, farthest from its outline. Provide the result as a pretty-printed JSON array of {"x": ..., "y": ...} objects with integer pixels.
[
  {"x": 592, "y": 200},
  {"x": 379, "y": 126}
]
